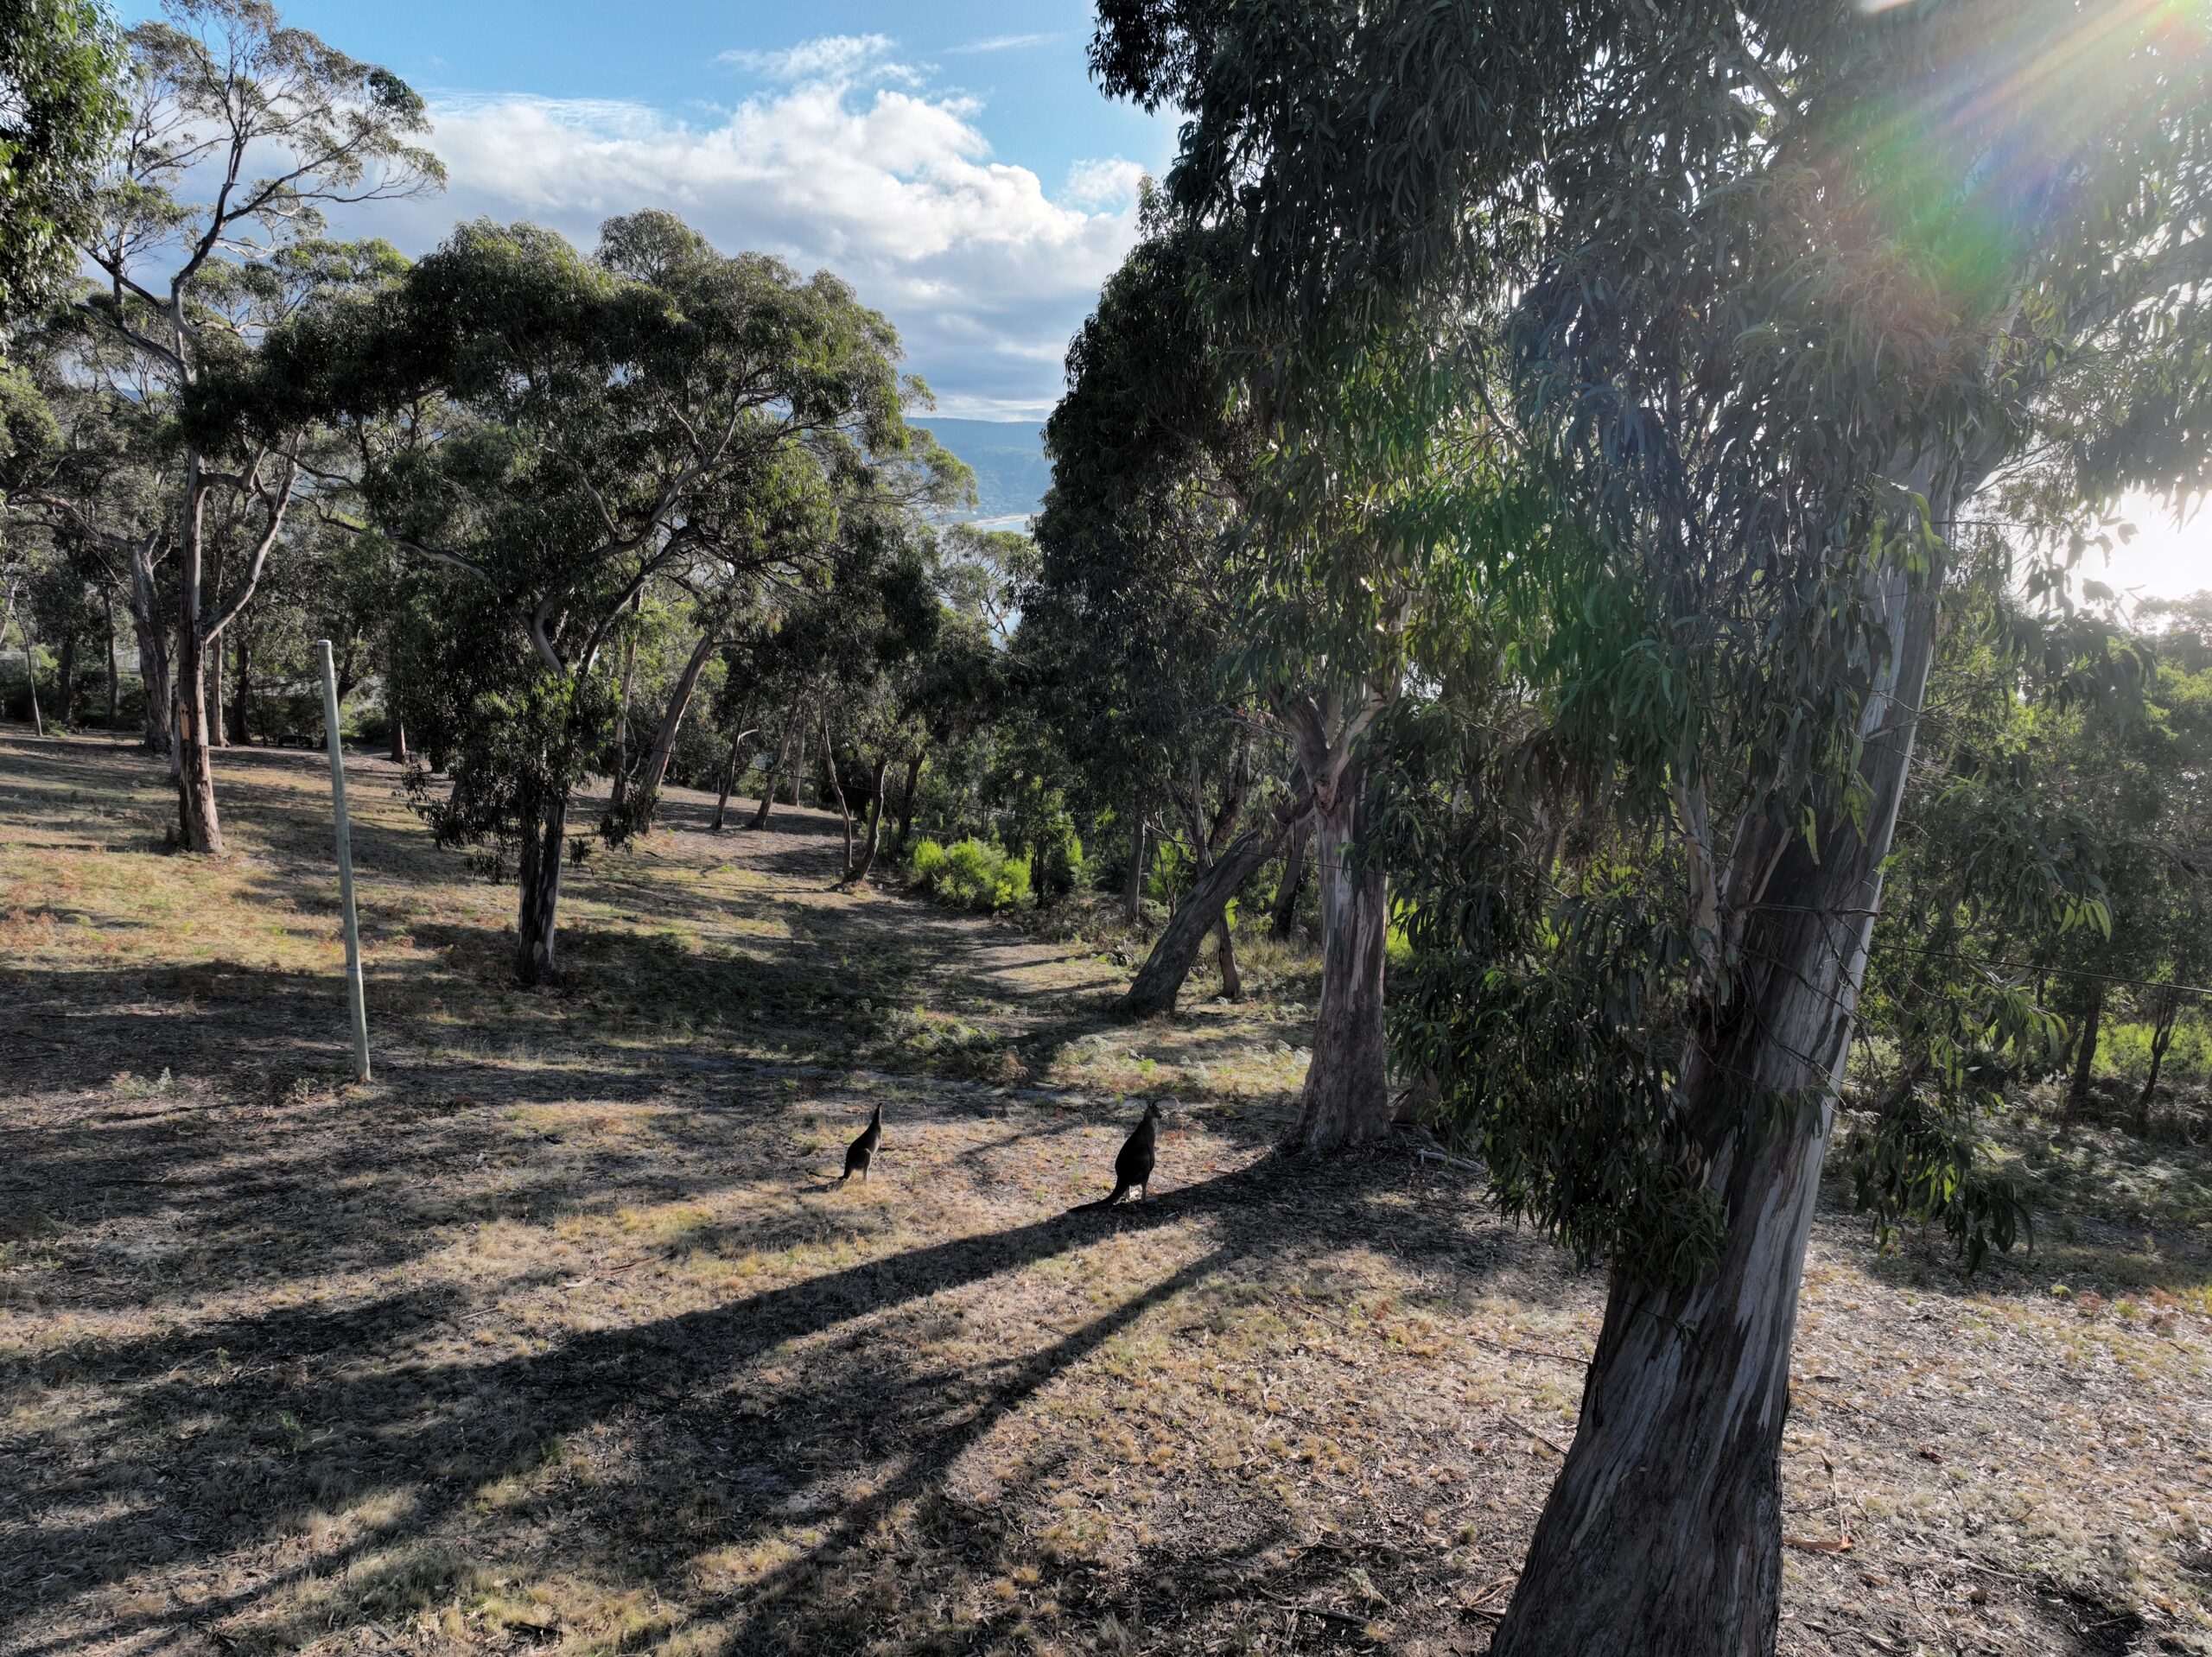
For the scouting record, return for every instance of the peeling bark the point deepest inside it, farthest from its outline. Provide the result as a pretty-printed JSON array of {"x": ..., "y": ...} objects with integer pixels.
[
  {"x": 1662, "y": 1537},
  {"x": 1346, "y": 1100}
]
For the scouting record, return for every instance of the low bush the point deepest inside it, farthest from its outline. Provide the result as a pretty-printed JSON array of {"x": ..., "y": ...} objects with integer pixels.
[{"x": 970, "y": 873}]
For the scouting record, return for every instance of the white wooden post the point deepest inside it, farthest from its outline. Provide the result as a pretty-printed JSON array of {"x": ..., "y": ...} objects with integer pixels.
[{"x": 345, "y": 864}]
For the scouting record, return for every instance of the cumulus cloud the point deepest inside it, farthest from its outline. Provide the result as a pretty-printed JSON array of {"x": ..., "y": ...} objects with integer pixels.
[
  {"x": 1102, "y": 183},
  {"x": 838, "y": 164}
]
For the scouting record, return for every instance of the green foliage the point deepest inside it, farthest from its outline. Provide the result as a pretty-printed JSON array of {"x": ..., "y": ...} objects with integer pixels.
[
  {"x": 1915, "y": 1162},
  {"x": 60, "y": 105},
  {"x": 971, "y": 875},
  {"x": 1539, "y": 1002}
]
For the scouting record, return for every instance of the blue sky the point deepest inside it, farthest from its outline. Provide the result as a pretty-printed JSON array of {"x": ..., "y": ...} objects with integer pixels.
[{"x": 953, "y": 162}]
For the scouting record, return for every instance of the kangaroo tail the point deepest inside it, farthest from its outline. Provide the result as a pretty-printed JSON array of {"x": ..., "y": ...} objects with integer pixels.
[{"x": 1120, "y": 1191}]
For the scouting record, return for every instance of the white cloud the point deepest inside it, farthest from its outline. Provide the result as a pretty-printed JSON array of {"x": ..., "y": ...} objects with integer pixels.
[
  {"x": 985, "y": 274},
  {"x": 1102, "y": 183},
  {"x": 1004, "y": 43},
  {"x": 826, "y": 57}
]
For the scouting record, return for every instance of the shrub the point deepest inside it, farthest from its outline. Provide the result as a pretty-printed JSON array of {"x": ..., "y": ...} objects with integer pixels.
[
  {"x": 971, "y": 873},
  {"x": 927, "y": 862},
  {"x": 1061, "y": 868}
]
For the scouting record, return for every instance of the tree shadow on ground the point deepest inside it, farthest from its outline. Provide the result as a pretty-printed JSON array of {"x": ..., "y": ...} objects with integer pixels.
[{"x": 725, "y": 1435}]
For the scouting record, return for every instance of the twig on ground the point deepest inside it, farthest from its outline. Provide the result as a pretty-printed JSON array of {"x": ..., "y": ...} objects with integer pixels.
[
  {"x": 1538, "y": 1437},
  {"x": 1529, "y": 1351},
  {"x": 1345, "y": 1618}
]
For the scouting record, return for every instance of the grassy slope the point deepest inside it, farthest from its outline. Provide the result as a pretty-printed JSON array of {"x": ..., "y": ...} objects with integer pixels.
[{"x": 556, "y": 1335}]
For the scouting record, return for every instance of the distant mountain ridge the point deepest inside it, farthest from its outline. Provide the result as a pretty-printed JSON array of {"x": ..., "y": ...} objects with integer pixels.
[{"x": 1007, "y": 456}]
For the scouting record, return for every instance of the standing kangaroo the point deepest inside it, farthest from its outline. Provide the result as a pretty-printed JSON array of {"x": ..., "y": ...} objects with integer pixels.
[{"x": 862, "y": 1150}]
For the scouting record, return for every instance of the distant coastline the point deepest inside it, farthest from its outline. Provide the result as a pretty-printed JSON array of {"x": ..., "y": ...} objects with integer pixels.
[{"x": 1007, "y": 457}]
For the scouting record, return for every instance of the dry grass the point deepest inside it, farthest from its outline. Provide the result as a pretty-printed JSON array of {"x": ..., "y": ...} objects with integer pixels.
[{"x": 557, "y": 1338}]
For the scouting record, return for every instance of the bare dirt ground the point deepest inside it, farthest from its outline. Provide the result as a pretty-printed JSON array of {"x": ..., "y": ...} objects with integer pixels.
[{"x": 558, "y": 1336}]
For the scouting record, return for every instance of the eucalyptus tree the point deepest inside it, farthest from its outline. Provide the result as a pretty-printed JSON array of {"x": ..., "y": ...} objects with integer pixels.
[
  {"x": 199, "y": 254},
  {"x": 1127, "y": 619},
  {"x": 104, "y": 484},
  {"x": 805, "y": 519},
  {"x": 588, "y": 428},
  {"x": 1786, "y": 288},
  {"x": 60, "y": 67}
]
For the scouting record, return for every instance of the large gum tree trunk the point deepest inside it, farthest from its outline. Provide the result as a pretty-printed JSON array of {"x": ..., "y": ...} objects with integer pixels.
[
  {"x": 539, "y": 876},
  {"x": 1662, "y": 1537},
  {"x": 1347, "y": 1098},
  {"x": 1159, "y": 981}
]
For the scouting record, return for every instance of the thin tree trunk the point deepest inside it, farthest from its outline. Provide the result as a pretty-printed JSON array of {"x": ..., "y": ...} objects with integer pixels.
[
  {"x": 218, "y": 728},
  {"x": 398, "y": 752},
  {"x": 837, "y": 788},
  {"x": 197, "y": 817},
  {"x": 242, "y": 709},
  {"x": 874, "y": 825},
  {"x": 539, "y": 872},
  {"x": 1346, "y": 1099},
  {"x": 729, "y": 781},
  {"x": 672, "y": 721},
  {"x": 152, "y": 653},
  {"x": 1295, "y": 860},
  {"x": 30, "y": 669},
  {"x": 1159, "y": 981},
  {"x": 1662, "y": 1537},
  {"x": 1225, "y": 956},
  {"x": 114, "y": 683},
  {"x": 2085, "y": 1050},
  {"x": 799, "y": 759},
  {"x": 2166, "y": 1013},
  {"x": 1133, "y": 885},
  {"x": 773, "y": 780},
  {"x": 620, "y": 792},
  {"x": 65, "y": 692},
  {"x": 906, "y": 803}
]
